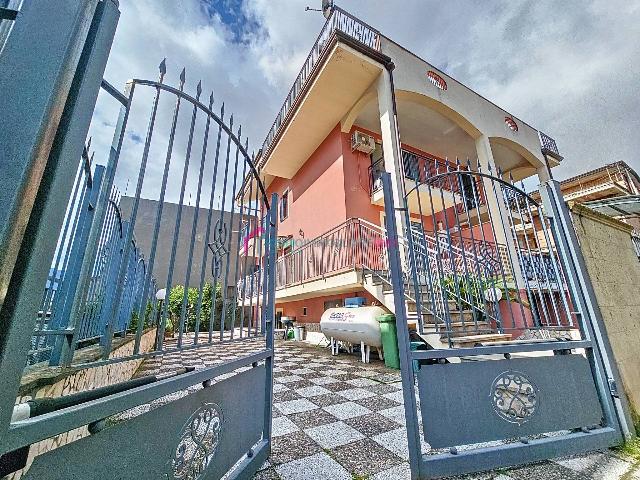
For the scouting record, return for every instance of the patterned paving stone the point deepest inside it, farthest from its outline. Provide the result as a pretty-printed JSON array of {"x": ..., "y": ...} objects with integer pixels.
[
  {"x": 371, "y": 424},
  {"x": 338, "y": 386},
  {"x": 333, "y": 435},
  {"x": 313, "y": 391},
  {"x": 395, "y": 441},
  {"x": 383, "y": 388},
  {"x": 395, "y": 414},
  {"x": 285, "y": 396},
  {"x": 295, "y": 406},
  {"x": 287, "y": 378},
  {"x": 327, "y": 400},
  {"x": 315, "y": 365},
  {"x": 546, "y": 471},
  {"x": 314, "y": 418},
  {"x": 323, "y": 380},
  {"x": 399, "y": 472},
  {"x": 377, "y": 403},
  {"x": 355, "y": 393},
  {"x": 396, "y": 396},
  {"x": 365, "y": 457},
  {"x": 302, "y": 371},
  {"x": 292, "y": 447},
  {"x": 609, "y": 467},
  {"x": 316, "y": 467},
  {"x": 346, "y": 410},
  {"x": 267, "y": 474},
  {"x": 362, "y": 382},
  {"x": 280, "y": 387},
  {"x": 283, "y": 426}
]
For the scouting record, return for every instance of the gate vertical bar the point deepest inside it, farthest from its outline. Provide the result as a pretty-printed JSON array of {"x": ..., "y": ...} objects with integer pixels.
[
  {"x": 406, "y": 365},
  {"x": 77, "y": 255},
  {"x": 269, "y": 311},
  {"x": 43, "y": 145}
]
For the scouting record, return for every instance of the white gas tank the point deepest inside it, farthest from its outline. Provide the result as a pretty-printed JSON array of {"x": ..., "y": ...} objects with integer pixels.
[{"x": 353, "y": 325}]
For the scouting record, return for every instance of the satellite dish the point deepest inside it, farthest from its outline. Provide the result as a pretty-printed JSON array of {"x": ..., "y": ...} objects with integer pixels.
[{"x": 327, "y": 7}]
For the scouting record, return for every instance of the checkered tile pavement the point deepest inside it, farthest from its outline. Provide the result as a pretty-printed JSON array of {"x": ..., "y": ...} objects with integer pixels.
[
  {"x": 337, "y": 418},
  {"x": 204, "y": 356},
  {"x": 334, "y": 417}
]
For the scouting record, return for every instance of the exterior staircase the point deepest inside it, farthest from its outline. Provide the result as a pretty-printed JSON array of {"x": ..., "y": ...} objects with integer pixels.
[{"x": 463, "y": 331}]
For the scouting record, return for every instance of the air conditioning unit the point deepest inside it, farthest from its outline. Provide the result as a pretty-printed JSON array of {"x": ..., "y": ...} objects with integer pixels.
[{"x": 362, "y": 142}]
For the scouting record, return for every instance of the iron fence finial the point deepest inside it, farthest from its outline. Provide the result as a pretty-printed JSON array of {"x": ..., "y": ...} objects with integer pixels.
[
  {"x": 198, "y": 89},
  {"x": 211, "y": 100},
  {"x": 163, "y": 68}
]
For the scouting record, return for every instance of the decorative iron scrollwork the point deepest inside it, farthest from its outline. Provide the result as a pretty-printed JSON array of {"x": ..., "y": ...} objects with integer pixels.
[
  {"x": 514, "y": 397},
  {"x": 198, "y": 442},
  {"x": 218, "y": 247}
]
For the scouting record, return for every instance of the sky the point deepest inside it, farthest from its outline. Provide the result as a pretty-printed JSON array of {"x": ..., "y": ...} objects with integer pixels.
[{"x": 570, "y": 68}]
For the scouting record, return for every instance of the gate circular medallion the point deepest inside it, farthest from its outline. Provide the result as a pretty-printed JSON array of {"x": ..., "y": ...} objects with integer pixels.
[
  {"x": 514, "y": 397},
  {"x": 198, "y": 442}
]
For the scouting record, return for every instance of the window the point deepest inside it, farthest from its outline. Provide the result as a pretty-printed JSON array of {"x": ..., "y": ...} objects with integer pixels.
[
  {"x": 284, "y": 205},
  {"x": 304, "y": 311}
]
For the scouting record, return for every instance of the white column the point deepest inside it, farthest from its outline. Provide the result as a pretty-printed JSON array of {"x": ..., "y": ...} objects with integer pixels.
[
  {"x": 498, "y": 209},
  {"x": 391, "y": 148}
]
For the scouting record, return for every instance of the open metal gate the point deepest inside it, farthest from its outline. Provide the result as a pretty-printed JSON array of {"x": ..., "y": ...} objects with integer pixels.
[
  {"x": 510, "y": 365},
  {"x": 147, "y": 355}
]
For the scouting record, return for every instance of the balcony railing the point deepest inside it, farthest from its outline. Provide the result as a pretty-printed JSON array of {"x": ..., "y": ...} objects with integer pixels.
[
  {"x": 549, "y": 146},
  {"x": 420, "y": 168},
  {"x": 351, "y": 245},
  {"x": 635, "y": 239},
  {"x": 538, "y": 267},
  {"x": 339, "y": 20}
]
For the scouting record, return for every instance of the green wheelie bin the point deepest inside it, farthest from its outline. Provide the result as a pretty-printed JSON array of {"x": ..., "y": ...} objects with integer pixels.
[{"x": 389, "y": 334}]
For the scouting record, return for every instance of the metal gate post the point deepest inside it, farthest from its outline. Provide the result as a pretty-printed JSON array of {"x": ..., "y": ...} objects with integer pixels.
[
  {"x": 47, "y": 104},
  {"x": 406, "y": 364},
  {"x": 269, "y": 313},
  {"x": 605, "y": 370}
]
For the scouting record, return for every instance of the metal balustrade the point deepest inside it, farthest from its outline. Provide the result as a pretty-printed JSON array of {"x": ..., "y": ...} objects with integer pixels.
[
  {"x": 339, "y": 20},
  {"x": 635, "y": 239}
]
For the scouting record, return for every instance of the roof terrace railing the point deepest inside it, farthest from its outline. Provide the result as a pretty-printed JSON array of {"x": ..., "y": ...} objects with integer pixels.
[
  {"x": 339, "y": 20},
  {"x": 548, "y": 145}
]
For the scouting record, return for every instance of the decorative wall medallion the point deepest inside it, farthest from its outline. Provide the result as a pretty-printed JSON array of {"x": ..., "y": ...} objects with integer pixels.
[
  {"x": 514, "y": 397},
  {"x": 511, "y": 123},
  {"x": 198, "y": 442},
  {"x": 437, "y": 80}
]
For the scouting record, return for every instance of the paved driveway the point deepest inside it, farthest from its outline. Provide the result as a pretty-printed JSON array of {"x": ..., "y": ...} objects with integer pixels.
[{"x": 336, "y": 418}]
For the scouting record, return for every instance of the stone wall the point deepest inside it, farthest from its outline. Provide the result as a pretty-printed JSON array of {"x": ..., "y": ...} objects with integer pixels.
[
  {"x": 44, "y": 381},
  {"x": 614, "y": 270}
]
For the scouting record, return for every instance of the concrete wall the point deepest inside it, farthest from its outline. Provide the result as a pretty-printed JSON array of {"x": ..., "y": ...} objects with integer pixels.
[
  {"x": 145, "y": 223},
  {"x": 55, "y": 382},
  {"x": 614, "y": 269}
]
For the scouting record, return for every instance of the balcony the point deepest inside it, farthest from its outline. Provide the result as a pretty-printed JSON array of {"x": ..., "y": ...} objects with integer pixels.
[
  {"x": 430, "y": 196},
  {"x": 339, "y": 21},
  {"x": 327, "y": 264}
]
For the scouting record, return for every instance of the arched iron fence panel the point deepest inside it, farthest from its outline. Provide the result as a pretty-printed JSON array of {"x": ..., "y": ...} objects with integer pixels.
[{"x": 481, "y": 257}]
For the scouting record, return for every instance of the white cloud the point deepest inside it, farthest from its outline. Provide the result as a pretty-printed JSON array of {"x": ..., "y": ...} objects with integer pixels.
[{"x": 569, "y": 69}]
